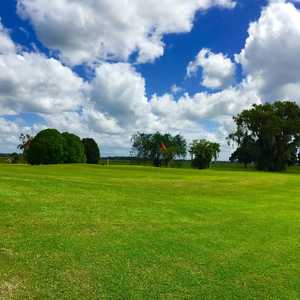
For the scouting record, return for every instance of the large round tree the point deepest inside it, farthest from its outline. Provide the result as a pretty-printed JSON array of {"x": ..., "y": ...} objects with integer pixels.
[
  {"x": 46, "y": 148},
  {"x": 73, "y": 149},
  {"x": 273, "y": 130},
  {"x": 92, "y": 151}
]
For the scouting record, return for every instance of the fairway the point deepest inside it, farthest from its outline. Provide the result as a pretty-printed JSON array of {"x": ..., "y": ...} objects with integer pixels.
[{"x": 128, "y": 232}]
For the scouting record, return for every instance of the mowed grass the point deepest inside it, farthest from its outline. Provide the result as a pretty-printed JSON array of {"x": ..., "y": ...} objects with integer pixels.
[{"x": 126, "y": 232}]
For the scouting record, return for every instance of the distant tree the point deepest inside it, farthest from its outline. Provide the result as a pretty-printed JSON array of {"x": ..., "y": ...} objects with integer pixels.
[
  {"x": 14, "y": 158},
  {"x": 158, "y": 148},
  {"x": 91, "y": 150},
  {"x": 168, "y": 154},
  {"x": 274, "y": 132},
  {"x": 46, "y": 148},
  {"x": 203, "y": 152},
  {"x": 25, "y": 141},
  {"x": 74, "y": 151}
]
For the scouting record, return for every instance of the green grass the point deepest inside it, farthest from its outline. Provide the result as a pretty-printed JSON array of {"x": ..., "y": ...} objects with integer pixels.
[{"x": 128, "y": 232}]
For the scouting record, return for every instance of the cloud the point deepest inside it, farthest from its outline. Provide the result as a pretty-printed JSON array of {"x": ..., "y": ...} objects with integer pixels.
[
  {"x": 114, "y": 105},
  {"x": 118, "y": 91},
  {"x": 118, "y": 107},
  {"x": 6, "y": 44},
  {"x": 31, "y": 82},
  {"x": 218, "y": 71},
  {"x": 10, "y": 132},
  {"x": 85, "y": 31},
  {"x": 205, "y": 115},
  {"x": 271, "y": 53},
  {"x": 175, "y": 89}
]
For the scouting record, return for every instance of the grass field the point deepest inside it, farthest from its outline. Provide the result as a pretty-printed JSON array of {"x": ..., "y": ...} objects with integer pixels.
[{"x": 127, "y": 232}]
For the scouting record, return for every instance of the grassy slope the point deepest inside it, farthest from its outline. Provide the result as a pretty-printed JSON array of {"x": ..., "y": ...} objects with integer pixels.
[{"x": 93, "y": 232}]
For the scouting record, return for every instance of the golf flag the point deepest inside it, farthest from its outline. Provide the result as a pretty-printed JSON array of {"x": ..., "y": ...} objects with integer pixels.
[{"x": 163, "y": 147}]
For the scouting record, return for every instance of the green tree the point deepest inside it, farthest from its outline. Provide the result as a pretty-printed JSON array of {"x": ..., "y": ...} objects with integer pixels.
[
  {"x": 245, "y": 153},
  {"x": 46, "y": 148},
  {"x": 158, "y": 148},
  {"x": 274, "y": 130},
  {"x": 91, "y": 150},
  {"x": 73, "y": 149},
  {"x": 14, "y": 158},
  {"x": 203, "y": 152}
]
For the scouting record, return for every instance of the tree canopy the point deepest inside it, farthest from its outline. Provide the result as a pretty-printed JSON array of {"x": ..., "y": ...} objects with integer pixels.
[
  {"x": 91, "y": 150},
  {"x": 46, "y": 148},
  {"x": 268, "y": 135},
  {"x": 158, "y": 148},
  {"x": 203, "y": 152},
  {"x": 245, "y": 153},
  {"x": 73, "y": 148}
]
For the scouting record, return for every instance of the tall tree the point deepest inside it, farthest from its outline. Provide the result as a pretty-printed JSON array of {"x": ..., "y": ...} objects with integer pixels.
[
  {"x": 203, "y": 152},
  {"x": 245, "y": 153},
  {"x": 92, "y": 151},
  {"x": 158, "y": 148},
  {"x": 274, "y": 130}
]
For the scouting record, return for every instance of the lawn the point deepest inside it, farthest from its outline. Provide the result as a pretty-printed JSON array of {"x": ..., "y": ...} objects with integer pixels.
[{"x": 128, "y": 232}]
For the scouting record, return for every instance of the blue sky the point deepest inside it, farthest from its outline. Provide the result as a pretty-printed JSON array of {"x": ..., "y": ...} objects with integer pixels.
[
  {"x": 111, "y": 78},
  {"x": 217, "y": 29}
]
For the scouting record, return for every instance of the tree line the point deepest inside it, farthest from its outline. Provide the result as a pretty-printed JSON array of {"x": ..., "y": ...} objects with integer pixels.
[
  {"x": 50, "y": 146},
  {"x": 161, "y": 149},
  {"x": 266, "y": 135}
]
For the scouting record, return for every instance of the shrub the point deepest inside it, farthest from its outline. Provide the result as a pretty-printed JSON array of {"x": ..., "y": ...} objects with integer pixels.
[
  {"x": 46, "y": 148},
  {"x": 91, "y": 150},
  {"x": 73, "y": 149}
]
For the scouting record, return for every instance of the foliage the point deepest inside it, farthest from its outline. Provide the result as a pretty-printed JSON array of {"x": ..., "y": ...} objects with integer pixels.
[
  {"x": 91, "y": 150},
  {"x": 46, "y": 148},
  {"x": 74, "y": 151},
  {"x": 203, "y": 152},
  {"x": 149, "y": 147},
  {"x": 25, "y": 141},
  {"x": 246, "y": 153},
  {"x": 14, "y": 158},
  {"x": 271, "y": 132}
]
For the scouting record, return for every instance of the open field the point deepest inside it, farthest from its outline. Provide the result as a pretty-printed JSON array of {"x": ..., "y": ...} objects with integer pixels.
[{"x": 127, "y": 232}]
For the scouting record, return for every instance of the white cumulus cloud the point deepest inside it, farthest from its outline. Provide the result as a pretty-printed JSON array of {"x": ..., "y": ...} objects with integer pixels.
[
  {"x": 271, "y": 53},
  {"x": 6, "y": 44},
  {"x": 31, "y": 82},
  {"x": 218, "y": 71},
  {"x": 84, "y": 31}
]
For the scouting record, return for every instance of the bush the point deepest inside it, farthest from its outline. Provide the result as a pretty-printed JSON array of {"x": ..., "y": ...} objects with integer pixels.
[
  {"x": 91, "y": 150},
  {"x": 73, "y": 149},
  {"x": 46, "y": 148}
]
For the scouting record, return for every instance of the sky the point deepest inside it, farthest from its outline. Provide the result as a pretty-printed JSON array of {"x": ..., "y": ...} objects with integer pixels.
[{"x": 110, "y": 68}]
